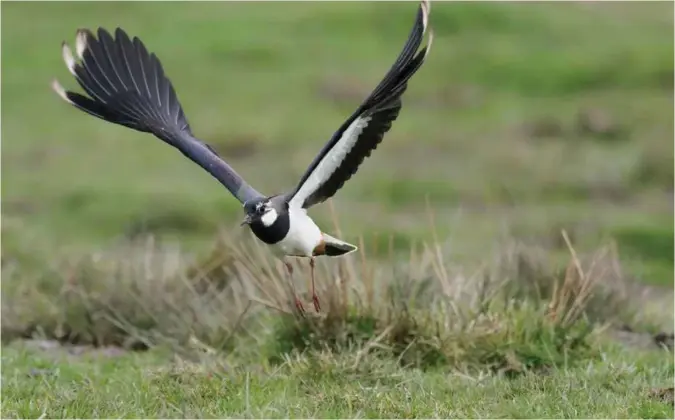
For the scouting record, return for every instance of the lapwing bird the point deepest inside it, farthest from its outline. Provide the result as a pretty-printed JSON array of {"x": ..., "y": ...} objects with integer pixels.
[{"x": 126, "y": 85}]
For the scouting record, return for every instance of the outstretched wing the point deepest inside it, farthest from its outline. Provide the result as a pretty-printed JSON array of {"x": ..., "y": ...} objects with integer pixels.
[
  {"x": 363, "y": 131},
  {"x": 127, "y": 86}
]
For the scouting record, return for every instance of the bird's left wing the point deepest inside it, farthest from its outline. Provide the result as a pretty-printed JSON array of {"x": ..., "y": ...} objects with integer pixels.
[
  {"x": 363, "y": 131},
  {"x": 127, "y": 86}
]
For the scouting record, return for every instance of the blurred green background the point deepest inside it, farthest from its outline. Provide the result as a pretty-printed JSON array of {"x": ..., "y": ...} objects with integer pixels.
[{"x": 527, "y": 118}]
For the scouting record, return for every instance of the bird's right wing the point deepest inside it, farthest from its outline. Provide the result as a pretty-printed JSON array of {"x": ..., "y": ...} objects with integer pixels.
[
  {"x": 356, "y": 139},
  {"x": 127, "y": 86}
]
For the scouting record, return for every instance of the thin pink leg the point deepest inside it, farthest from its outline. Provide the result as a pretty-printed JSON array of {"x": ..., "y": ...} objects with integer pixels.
[
  {"x": 298, "y": 303},
  {"x": 315, "y": 298}
]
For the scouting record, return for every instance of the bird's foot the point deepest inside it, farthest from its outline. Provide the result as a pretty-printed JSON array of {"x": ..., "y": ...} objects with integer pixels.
[
  {"x": 299, "y": 306},
  {"x": 315, "y": 299}
]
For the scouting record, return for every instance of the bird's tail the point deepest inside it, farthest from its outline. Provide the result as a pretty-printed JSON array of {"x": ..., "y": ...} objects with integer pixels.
[
  {"x": 336, "y": 247},
  {"x": 126, "y": 85}
]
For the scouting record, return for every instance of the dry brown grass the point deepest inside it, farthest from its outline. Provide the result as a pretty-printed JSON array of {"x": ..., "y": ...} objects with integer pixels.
[{"x": 515, "y": 313}]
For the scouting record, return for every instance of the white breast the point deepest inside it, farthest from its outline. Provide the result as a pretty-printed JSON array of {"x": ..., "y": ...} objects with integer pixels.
[{"x": 303, "y": 236}]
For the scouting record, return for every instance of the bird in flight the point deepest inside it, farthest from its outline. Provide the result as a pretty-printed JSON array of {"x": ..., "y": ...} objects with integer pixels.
[{"x": 126, "y": 85}]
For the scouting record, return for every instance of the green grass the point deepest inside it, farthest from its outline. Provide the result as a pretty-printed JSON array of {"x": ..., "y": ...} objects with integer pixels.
[
  {"x": 526, "y": 120},
  {"x": 57, "y": 385}
]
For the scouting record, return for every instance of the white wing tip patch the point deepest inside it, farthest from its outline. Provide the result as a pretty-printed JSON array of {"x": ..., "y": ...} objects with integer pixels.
[
  {"x": 68, "y": 58},
  {"x": 56, "y": 87},
  {"x": 426, "y": 9},
  {"x": 80, "y": 42},
  {"x": 429, "y": 42}
]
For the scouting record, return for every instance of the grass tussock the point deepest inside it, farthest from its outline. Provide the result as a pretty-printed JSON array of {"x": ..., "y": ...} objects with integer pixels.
[
  {"x": 133, "y": 295},
  {"x": 424, "y": 316},
  {"x": 512, "y": 316}
]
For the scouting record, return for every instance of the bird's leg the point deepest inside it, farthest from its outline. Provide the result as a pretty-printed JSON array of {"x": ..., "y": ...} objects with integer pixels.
[
  {"x": 298, "y": 303},
  {"x": 315, "y": 298}
]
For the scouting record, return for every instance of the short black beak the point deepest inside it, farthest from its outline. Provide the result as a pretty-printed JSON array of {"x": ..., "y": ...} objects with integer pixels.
[{"x": 247, "y": 220}]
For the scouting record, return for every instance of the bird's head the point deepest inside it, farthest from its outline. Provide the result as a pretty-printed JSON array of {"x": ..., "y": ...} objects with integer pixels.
[{"x": 259, "y": 212}]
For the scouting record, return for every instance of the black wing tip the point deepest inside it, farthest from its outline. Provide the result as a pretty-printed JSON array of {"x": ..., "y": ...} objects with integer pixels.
[
  {"x": 408, "y": 62},
  {"x": 85, "y": 39},
  {"x": 420, "y": 29},
  {"x": 85, "y": 35},
  {"x": 101, "y": 31},
  {"x": 117, "y": 35},
  {"x": 121, "y": 34}
]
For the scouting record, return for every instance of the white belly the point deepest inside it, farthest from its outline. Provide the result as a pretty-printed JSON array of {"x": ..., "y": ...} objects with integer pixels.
[{"x": 303, "y": 236}]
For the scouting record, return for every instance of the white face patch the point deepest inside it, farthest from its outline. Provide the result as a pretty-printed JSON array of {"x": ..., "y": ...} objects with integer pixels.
[{"x": 269, "y": 217}]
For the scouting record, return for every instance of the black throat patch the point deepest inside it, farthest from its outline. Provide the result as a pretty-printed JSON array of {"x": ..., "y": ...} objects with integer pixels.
[{"x": 275, "y": 232}]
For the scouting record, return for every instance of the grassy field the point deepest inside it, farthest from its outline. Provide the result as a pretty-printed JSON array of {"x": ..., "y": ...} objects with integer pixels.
[
  {"x": 527, "y": 120},
  {"x": 95, "y": 385}
]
